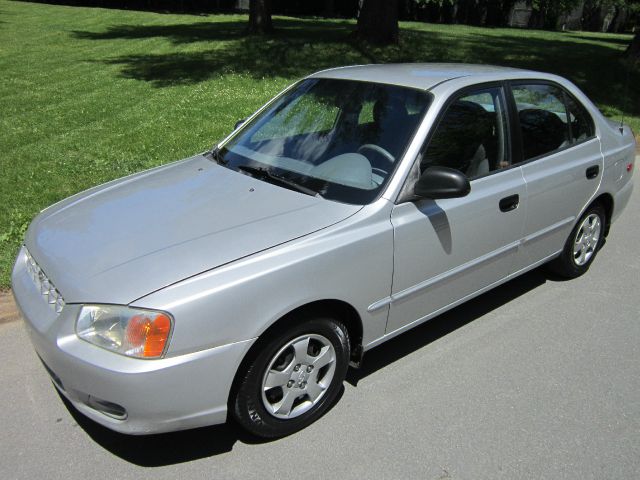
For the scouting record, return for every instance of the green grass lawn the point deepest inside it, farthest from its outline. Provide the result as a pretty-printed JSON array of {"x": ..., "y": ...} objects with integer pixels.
[{"x": 87, "y": 94}]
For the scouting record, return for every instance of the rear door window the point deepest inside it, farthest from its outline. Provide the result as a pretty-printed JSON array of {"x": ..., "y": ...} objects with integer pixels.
[{"x": 543, "y": 119}]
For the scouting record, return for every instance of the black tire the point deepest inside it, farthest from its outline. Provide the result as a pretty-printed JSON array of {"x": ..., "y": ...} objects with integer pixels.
[
  {"x": 568, "y": 265},
  {"x": 249, "y": 408}
]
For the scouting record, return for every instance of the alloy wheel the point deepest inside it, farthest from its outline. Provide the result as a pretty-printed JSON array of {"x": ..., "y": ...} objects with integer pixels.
[
  {"x": 586, "y": 240},
  {"x": 298, "y": 376}
]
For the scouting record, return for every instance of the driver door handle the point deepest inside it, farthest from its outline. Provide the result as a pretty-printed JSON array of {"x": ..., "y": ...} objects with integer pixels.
[{"x": 509, "y": 203}]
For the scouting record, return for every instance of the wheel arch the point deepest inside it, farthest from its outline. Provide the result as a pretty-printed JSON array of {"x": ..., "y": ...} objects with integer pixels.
[
  {"x": 606, "y": 200},
  {"x": 338, "y": 309}
]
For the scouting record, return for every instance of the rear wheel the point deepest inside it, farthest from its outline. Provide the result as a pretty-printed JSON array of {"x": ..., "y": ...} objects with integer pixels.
[
  {"x": 293, "y": 378},
  {"x": 582, "y": 245}
]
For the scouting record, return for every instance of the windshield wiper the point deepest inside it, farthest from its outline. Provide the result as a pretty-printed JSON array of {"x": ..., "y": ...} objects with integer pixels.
[
  {"x": 267, "y": 175},
  {"x": 215, "y": 154}
]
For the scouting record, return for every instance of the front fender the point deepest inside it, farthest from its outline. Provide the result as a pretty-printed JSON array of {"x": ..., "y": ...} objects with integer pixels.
[{"x": 351, "y": 262}]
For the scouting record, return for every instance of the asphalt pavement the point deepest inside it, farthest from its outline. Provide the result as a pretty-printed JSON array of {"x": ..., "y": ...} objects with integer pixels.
[{"x": 539, "y": 378}]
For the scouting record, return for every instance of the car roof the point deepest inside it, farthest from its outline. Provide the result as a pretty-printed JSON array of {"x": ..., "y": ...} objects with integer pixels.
[{"x": 424, "y": 75}]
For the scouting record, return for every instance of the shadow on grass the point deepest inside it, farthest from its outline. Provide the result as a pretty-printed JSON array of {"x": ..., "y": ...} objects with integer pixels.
[
  {"x": 294, "y": 50},
  {"x": 300, "y": 47},
  {"x": 232, "y": 27},
  {"x": 178, "y": 34},
  {"x": 432, "y": 330},
  {"x": 613, "y": 39},
  {"x": 140, "y": 6}
]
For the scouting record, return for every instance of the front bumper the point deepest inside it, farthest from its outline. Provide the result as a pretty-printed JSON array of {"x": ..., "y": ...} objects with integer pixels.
[{"x": 127, "y": 395}]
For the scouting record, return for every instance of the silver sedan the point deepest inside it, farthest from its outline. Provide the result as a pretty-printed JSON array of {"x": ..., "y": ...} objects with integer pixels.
[{"x": 360, "y": 202}]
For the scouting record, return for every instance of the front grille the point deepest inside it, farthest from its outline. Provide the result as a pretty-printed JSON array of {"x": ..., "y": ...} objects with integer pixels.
[{"x": 42, "y": 282}]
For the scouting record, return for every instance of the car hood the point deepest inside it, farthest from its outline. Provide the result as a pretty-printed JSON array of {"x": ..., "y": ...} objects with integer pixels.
[{"x": 120, "y": 241}]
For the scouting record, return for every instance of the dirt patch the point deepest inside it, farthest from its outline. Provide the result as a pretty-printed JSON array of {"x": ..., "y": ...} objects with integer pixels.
[{"x": 8, "y": 310}]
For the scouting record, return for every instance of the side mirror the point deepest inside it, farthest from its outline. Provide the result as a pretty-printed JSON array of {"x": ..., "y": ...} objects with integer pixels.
[
  {"x": 238, "y": 123},
  {"x": 442, "y": 182}
]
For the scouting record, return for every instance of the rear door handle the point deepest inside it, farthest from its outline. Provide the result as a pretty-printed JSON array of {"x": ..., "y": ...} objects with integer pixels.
[
  {"x": 509, "y": 203},
  {"x": 592, "y": 172}
]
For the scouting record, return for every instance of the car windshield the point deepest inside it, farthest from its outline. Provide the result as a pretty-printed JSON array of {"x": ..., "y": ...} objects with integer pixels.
[{"x": 339, "y": 139}]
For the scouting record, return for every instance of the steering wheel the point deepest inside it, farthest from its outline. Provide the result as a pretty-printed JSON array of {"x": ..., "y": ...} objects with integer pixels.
[{"x": 379, "y": 150}]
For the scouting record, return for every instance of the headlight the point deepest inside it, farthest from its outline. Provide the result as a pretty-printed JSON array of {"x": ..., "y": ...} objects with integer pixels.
[{"x": 129, "y": 331}]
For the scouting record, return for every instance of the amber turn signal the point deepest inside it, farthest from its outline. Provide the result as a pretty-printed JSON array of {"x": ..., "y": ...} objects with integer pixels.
[{"x": 149, "y": 333}]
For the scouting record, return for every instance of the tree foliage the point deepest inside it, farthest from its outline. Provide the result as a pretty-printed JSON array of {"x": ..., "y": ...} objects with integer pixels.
[
  {"x": 547, "y": 12},
  {"x": 473, "y": 12}
]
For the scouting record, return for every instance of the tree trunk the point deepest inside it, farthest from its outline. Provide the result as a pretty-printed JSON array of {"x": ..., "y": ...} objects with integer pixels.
[
  {"x": 329, "y": 8},
  {"x": 536, "y": 20},
  {"x": 619, "y": 20},
  {"x": 591, "y": 16},
  {"x": 408, "y": 10},
  {"x": 378, "y": 21},
  {"x": 448, "y": 13},
  {"x": 498, "y": 12},
  {"x": 260, "y": 16},
  {"x": 633, "y": 50},
  {"x": 462, "y": 12}
]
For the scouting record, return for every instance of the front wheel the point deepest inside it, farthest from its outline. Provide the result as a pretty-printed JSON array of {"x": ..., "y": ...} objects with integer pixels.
[
  {"x": 582, "y": 245},
  {"x": 293, "y": 378}
]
